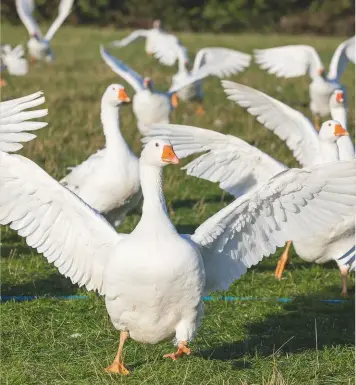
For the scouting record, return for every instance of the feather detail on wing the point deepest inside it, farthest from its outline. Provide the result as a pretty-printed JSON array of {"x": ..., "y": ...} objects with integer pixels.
[
  {"x": 344, "y": 53},
  {"x": 14, "y": 121},
  {"x": 289, "y": 61},
  {"x": 288, "y": 124},
  {"x": 14, "y": 60},
  {"x": 295, "y": 204},
  {"x": 25, "y": 10},
  {"x": 129, "y": 75},
  {"x": 237, "y": 166},
  {"x": 167, "y": 49},
  {"x": 53, "y": 220}
]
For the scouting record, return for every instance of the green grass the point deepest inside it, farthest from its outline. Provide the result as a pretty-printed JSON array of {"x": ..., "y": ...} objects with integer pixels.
[{"x": 245, "y": 343}]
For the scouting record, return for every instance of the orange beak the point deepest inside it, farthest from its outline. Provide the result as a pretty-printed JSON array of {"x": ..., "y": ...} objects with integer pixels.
[
  {"x": 321, "y": 71},
  {"x": 174, "y": 100},
  {"x": 340, "y": 131},
  {"x": 169, "y": 156},
  {"x": 122, "y": 95},
  {"x": 340, "y": 97}
]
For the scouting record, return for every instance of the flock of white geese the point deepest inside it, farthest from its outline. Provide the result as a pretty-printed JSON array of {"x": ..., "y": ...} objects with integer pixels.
[{"x": 153, "y": 278}]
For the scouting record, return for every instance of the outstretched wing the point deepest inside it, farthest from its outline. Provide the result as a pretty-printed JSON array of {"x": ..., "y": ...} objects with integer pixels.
[
  {"x": 130, "y": 38},
  {"x": 233, "y": 163},
  {"x": 132, "y": 77},
  {"x": 214, "y": 62},
  {"x": 14, "y": 121},
  {"x": 25, "y": 10},
  {"x": 289, "y": 61},
  {"x": 56, "y": 222},
  {"x": 293, "y": 205},
  {"x": 344, "y": 53},
  {"x": 288, "y": 124},
  {"x": 14, "y": 60},
  {"x": 64, "y": 10}
]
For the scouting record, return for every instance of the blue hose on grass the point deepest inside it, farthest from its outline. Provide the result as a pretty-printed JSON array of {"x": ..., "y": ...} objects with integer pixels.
[{"x": 24, "y": 298}]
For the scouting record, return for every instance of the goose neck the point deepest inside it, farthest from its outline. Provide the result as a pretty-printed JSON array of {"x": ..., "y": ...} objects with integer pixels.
[{"x": 329, "y": 151}]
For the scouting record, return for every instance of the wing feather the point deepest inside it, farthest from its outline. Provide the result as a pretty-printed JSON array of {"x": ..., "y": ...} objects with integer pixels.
[
  {"x": 130, "y": 38},
  {"x": 25, "y": 10},
  {"x": 64, "y": 10},
  {"x": 344, "y": 53}
]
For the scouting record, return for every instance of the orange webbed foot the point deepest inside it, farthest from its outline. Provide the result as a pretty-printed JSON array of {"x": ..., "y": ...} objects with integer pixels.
[
  {"x": 182, "y": 350},
  {"x": 117, "y": 368}
]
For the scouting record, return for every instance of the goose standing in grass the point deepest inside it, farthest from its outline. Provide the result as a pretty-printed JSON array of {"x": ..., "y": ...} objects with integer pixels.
[
  {"x": 14, "y": 121},
  {"x": 149, "y": 106},
  {"x": 213, "y": 61},
  {"x": 39, "y": 46},
  {"x": 109, "y": 179},
  {"x": 153, "y": 278},
  {"x": 13, "y": 61},
  {"x": 153, "y": 36},
  {"x": 240, "y": 168},
  {"x": 297, "y": 60}
]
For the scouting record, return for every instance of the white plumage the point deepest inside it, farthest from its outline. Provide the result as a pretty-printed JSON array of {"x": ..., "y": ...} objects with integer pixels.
[
  {"x": 14, "y": 121},
  {"x": 297, "y": 60},
  {"x": 153, "y": 278},
  {"x": 109, "y": 180},
  {"x": 13, "y": 60},
  {"x": 38, "y": 45}
]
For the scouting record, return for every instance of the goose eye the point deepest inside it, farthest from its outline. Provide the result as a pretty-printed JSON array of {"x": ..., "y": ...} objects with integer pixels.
[
  {"x": 157, "y": 145},
  {"x": 113, "y": 88}
]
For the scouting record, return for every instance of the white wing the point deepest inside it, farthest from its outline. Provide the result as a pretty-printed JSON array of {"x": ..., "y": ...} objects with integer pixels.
[
  {"x": 289, "y": 61},
  {"x": 293, "y": 205},
  {"x": 132, "y": 77},
  {"x": 81, "y": 173},
  {"x": 168, "y": 49},
  {"x": 237, "y": 166},
  {"x": 288, "y": 124},
  {"x": 25, "y": 10},
  {"x": 130, "y": 38},
  {"x": 344, "y": 53},
  {"x": 14, "y": 124},
  {"x": 55, "y": 221},
  {"x": 64, "y": 9},
  {"x": 14, "y": 60},
  {"x": 214, "y": 62}
]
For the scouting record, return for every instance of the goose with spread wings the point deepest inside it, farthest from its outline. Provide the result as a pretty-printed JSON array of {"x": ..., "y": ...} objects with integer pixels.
[
  {"x": 240, "y": 168},
  {"x": 297, "y": 60},
  {"x": 15, "y": 121},
  {"x": 12, "y": 60},
  {"x": 39, "y": 47},
  {"x": 210, "y": 61},
  {"x": 153, "y": 278},
  {"x": 154, "y": 36}
]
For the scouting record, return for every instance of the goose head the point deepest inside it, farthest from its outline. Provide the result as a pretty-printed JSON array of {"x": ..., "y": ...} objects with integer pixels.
[
  {"x": 159, "y": 153},
  {"x": 331, "y": 131},
  {"x": 148, "y": 83},
  {"x": 337, "y": 99},
  {"x": 115, "y": 95},
  {"x": 157, "y": 24}
]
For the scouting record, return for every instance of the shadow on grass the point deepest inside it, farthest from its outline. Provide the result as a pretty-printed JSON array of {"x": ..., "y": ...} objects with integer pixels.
[
  {"x": 293, "y": 331},
  {"x": 53, "y": 285}
]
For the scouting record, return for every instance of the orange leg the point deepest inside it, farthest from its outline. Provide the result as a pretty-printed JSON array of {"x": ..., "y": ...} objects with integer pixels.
[
  {"x": 118, "y": 364},
  {"x": 316, "y": 120},
  {"x": 344, "y": 270},
  {"x": 282, "y": 261},
  {"x": 182, "y": 350},
  {"x": 200, "y": 110},
  {"x": 2, "y": 82}
]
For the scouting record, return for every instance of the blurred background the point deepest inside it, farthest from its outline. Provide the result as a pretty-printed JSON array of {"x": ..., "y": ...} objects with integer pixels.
[{"x": 336, "y": 17}]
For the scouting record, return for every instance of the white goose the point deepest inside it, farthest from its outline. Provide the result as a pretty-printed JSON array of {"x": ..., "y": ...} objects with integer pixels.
[
  {"x": 13, "y": 61},
  {"x": 109, "y": 179},
  {"x": 154, "y": 37},
  {"x": 240, "y": 168},
  {"x": 215, "y": 61},
  {"x": 38, "y": 45},
  {"x": 297, "y": 60},
  {"x": 14, "y": 121},
  {"x": 149, "y": 106},
  {"x": 153, "y": 278}
]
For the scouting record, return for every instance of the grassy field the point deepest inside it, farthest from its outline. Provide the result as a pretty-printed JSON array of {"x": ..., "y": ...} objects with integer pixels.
[{"x": 54, "y": 342}]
